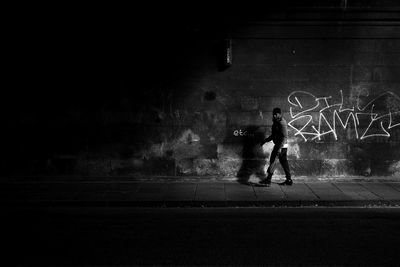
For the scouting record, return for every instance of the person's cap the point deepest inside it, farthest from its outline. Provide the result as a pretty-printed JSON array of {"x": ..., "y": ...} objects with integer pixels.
[{"x": 276, "y": 110}]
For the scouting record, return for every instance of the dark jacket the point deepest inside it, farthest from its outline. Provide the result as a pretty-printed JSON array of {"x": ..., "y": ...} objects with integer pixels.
[{"x": 279, "y": 133}]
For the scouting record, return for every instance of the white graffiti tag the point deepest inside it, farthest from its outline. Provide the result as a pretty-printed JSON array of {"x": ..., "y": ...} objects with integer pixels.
[
  {"x": 314, "y": 117},
  {"x": 240, "y": 132}
]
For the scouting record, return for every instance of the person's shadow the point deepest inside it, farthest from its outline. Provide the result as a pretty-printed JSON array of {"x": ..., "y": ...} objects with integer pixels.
[{"x": 253, "y": 158}]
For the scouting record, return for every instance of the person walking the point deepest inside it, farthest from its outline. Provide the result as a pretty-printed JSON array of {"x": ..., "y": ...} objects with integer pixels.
[{"x": 279, "y": 136}]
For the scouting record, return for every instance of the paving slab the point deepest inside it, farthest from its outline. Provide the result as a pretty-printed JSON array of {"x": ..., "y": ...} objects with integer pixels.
[
  {"x": 299, "y": 191},
  {"x": 46, "y": 187},
  {"x": 327, "y": 191},
  {"x": 124, "y": 187},
  {"x": 356, "y": 192},
  {"x": 272, "y": 193},
  {"x": 383, "y": 190},
  {"x": 210, "y": 192},
  {"x": 106, "y": 187},
  {"x": 150, "y": 192},
  {"x": 239, "y": 192},
  {"x": 35, "y": 196},
  {"x": 395, "y": 185},
  {"x": 127, "y": 196},
  {"x": 180, "y": 192}
]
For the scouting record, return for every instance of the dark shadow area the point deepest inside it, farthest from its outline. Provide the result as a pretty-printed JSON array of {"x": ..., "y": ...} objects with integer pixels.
[
  {"x": 132, "y": 237},
  {"x": 253, "y": 160},
  {"x": 100, "y": 86}
]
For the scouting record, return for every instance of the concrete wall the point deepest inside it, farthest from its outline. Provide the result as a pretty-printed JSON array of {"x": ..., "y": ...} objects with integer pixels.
[{"x": 337, "y": 81}]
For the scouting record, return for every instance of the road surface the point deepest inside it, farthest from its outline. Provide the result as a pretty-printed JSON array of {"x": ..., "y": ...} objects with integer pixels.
[{"x": 201, "y": 236}]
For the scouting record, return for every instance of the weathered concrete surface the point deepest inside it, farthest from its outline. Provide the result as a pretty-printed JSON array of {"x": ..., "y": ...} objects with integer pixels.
[{"x": 157, "y": 103}]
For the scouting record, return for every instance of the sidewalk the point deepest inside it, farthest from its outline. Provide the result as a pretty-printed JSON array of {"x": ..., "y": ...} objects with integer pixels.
[{"x": 197, "y": 194}]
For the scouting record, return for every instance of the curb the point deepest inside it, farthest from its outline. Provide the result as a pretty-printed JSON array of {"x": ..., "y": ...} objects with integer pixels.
[
  {"x": 199, "y": 204},
  {"x": 144, "y": 179}
]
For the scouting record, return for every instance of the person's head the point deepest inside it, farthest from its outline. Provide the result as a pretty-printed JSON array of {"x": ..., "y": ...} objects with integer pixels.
[{"x": 276, "y": 114}]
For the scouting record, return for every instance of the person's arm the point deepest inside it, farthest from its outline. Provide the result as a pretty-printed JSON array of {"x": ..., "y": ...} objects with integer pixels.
[
  {"x": 284, "y": 132},
  {"x": 269, "y": 138}
]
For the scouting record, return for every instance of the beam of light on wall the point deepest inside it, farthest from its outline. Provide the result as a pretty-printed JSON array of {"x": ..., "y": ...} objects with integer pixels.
[{"x": 228, "y": 52}]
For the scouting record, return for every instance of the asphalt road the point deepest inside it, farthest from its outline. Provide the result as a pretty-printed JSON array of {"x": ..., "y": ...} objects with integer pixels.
[{"x": 201, "y": 236}]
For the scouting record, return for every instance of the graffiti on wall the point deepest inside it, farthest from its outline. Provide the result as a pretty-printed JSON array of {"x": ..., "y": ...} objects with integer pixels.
[
  {"x": 239, "y": 132},
  {"x": 313, "y": 117}
]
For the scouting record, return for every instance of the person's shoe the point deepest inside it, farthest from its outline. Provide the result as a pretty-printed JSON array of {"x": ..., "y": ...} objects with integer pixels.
[
  {"x": 265, "y": 182},
  {"x": 287, "y": 182}
]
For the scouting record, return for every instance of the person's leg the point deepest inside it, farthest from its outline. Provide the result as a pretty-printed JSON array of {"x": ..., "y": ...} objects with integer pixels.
[
  {"x": 272, "y": 162},
  {"x": 271, "y": 168},
  {"x": 285, "y": 165}
]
